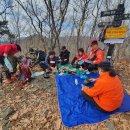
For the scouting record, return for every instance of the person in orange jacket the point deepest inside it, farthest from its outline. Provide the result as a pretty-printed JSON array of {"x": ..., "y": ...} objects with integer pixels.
[
  {"x": 81, "y": 57},
  {"x": 96, "y": 56},
  {"x": 107, "y": 93}
]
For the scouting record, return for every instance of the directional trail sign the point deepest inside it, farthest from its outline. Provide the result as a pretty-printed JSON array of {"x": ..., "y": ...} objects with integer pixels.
[
  {"x": 119, "y": 11},
  {"x": 111, "y": 12},
  {"x": 117, "y": 33},
  {"x": 108, "y": 13},
  {"x": 110, "y": 24},
  {"x": 122, "y": 17}
]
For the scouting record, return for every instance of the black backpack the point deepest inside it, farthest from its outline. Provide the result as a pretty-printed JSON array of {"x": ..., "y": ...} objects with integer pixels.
[{"x": 41, "y": 55}]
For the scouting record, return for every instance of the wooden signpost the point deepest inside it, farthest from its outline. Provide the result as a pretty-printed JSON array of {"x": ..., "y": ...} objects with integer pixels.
[{"x": 119, "y": 16}]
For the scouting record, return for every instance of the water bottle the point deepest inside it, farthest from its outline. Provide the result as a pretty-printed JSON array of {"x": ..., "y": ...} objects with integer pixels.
[
  {"x": 37, "y": 74},
  {"x": 76, "y": 82},
  {"x": 8, "y": 64}
]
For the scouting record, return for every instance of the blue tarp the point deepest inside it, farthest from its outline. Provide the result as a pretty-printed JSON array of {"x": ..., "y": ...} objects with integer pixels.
[{"x": 74, "y": 109}]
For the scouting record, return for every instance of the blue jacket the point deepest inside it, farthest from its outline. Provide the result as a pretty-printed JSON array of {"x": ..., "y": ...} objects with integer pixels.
[{"x": 53, "y": 62}]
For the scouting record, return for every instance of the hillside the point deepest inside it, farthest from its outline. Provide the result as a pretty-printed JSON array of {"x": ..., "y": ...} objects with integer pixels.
[
  {"x": 36, "y": 106},
  {"x": 122, "y": 51}
]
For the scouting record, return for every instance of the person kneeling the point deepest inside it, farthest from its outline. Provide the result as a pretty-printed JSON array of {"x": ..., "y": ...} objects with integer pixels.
[
  {"x": 51, "y": 63},
  {"x": 107, "y": 93},
  {"x": 78, "y": 61}
]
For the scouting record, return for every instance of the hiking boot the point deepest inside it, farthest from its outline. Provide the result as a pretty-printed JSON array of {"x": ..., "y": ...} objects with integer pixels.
[
  {"x": 13, "y": 78},
  {"x": 46, "y": 76},
  {"x": 7, "y": 81},
  {"x": 48, "y": 71}
]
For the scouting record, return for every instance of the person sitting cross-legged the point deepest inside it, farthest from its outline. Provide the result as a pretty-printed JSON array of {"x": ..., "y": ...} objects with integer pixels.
[
  {"x": 81, "y": 57},
  {"x": 107, "y": 93},
  {"x": 51, "y": 62},
  {"x": 96, "y": 56}
]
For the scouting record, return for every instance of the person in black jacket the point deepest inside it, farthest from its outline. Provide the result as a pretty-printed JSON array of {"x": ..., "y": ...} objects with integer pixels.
[{"x": 64, "y": 56}]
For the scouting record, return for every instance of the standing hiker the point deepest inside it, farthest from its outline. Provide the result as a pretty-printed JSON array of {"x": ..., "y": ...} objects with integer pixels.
[{"x": 6, "y": 51}]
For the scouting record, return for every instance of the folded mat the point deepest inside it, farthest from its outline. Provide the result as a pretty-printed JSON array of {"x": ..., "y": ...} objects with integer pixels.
[{"x": 74, "y": 109}]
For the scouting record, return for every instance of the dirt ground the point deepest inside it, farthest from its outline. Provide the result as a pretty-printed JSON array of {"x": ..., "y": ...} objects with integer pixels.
[{"x": 36, "y": 106}]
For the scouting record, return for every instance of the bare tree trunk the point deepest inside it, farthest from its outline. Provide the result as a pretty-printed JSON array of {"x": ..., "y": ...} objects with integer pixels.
[
  {"x": 98, "y": 5},
  {"x": 84, "y": 15},
  {"x": 31, "y": 17},
  {"x": 56, "y": 29}
]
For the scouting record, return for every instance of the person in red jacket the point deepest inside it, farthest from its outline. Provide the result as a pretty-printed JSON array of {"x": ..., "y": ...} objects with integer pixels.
[
  {"x": 107, "y": 93},
  {"x": 81, "y": 57},
  {"x": 96, "y": 56},
  {"x": 7, "y": 50}
]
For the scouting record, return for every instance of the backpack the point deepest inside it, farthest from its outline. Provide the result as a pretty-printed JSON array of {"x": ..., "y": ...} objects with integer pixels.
[
  {"x": 25, "y": 71},
  {"x": 41, "y": 56}
]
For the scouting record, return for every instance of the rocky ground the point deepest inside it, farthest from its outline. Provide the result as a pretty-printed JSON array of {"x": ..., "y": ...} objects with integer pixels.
[{"x": 35, "y": 107}]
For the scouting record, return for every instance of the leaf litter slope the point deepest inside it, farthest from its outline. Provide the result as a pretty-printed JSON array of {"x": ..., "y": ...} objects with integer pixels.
[{"x": 36, "y": 107}]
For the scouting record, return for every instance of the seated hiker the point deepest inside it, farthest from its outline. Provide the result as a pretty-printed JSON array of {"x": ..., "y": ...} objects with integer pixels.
[
  {"x": 50, "y": 63},
  {"x": 81, "y": 57},
  {"x": 6, "y": 51},
  {"x": 107, "y": 93},
  {"x": 96, "y": 56},
  {"x": 64, "y": 56}
]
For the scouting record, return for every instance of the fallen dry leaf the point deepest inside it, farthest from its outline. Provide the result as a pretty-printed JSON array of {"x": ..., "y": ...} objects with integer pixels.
[
  {"x": 58, "y": 124},
  {"x": 0, "y": 127},
  {"x": 14, "y": 117},
  {"x": 37, "y": 107}
]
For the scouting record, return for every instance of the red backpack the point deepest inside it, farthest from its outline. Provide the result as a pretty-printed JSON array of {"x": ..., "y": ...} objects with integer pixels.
[{"x": 25, "y": 71}]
